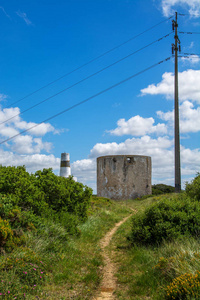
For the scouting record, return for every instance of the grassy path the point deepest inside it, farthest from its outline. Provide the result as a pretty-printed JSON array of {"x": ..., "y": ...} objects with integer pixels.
[
  {"x": 77, "y": 271},
  {"x": 108, "y": 284}
]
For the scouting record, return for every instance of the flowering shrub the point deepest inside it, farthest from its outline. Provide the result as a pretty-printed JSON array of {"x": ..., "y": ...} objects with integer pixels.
[
  {"x": 6, "y": 233},
  {"x": 186, "y": 286},
  {"x": 22, "y": 273},
  {"x": 18, "y": 259}
]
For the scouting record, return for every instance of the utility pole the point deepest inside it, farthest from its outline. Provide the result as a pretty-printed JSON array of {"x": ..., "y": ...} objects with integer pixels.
[{"x": 175, "y": 50}]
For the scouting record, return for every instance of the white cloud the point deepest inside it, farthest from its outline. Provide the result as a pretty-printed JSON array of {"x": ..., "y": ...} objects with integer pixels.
[
  {"x": 26, "y": 144},
  {"x": 9, "y": 113},
  {"x": 169, "y": 6},
  {"x": 38, "y": 130},
  {"x": 23, "y": 15},
  {"x": 32, "y": 162},
  {"x": 15, "y": 122},
  {"x": 7, "y": 131},
  {"x": 11, "y": 117},
  {"x": 138, "y": 126},
  {"x": 83, "y": 165},
  {"x": 190, "y": 159},
  {"x": 23, "y": 144},
  {"x": 135, "y": 146},
  {"x": 85, "y": 171},
  {"x": 189, "y": 87},
  {"x": 189, "y": 117}
]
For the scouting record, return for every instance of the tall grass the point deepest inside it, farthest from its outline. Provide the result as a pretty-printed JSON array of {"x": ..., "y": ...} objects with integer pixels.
[
  {"x": 166, "y": 271},
  {"x": 52, "y": 264}
]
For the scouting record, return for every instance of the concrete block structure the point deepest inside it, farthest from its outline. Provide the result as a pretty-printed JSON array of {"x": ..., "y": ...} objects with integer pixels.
[{"x": 122, "y": 177}]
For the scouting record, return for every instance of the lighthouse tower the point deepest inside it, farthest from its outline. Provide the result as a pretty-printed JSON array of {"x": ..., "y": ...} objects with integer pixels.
[{"x": 65, "y": 170}]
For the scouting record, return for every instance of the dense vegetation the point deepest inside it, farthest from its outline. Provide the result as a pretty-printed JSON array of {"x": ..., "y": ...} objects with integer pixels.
[
  {"x": 159, "y": 189},
  {"x": 50, "y": 229},
  {"x": 35, "y": 206},
  {"x": 166, "y": 220},
  {"x": 165, "y": 244}
]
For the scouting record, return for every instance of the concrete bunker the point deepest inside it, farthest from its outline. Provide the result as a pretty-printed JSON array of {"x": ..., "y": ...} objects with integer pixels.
[{"x": 122, "y": 177}]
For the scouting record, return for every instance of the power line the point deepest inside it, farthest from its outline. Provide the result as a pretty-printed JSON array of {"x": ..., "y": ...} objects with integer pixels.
[
  {"x": 195, "y": 54},
  {"x": 87, "y": 99},
  {"x": 189, "y": 32},
  {"x": 191, "y": 15},
  {"x": 86, "y": 78},
  {"x": 87, "y": 63}
]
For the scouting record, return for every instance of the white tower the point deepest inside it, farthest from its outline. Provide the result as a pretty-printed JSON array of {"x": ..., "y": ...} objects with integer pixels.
[{"x": 65, "y": 170}]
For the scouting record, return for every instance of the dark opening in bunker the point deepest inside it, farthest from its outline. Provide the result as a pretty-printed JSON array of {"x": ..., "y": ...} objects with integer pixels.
[{"x": 130, "y": 160}]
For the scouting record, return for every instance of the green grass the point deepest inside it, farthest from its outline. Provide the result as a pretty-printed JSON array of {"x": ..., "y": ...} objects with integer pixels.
[
  {"x": 145, "y": 272},
  {"x": 70, "y": 264},
  {"x": 80, "y": 267},
  {"x": 55, "y": 265}
]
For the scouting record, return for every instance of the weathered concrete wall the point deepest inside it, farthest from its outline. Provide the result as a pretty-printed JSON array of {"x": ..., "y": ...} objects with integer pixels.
[{"x": 123, "y": 177}]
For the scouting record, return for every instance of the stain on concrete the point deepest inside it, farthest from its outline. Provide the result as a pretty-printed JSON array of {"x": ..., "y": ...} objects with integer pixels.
[{"x": 121, "y": 177}]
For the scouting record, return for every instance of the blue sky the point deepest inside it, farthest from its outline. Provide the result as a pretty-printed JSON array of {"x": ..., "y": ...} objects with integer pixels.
[{"x": 43, "y": 40}]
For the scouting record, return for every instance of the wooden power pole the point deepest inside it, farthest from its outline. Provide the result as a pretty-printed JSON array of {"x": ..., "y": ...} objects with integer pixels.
[{"x": 175, "y": 50}]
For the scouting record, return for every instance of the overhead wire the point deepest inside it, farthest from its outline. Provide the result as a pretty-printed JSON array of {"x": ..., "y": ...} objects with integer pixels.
[
  {"x": 86, "y": 78},
  {"x": 87, "y": 63},
  {"x": 189, "y": 32},
  {"x": 191, "y": 15},
  {"x": 196, "y": 54},
  {"x": 86, "y": 100}
]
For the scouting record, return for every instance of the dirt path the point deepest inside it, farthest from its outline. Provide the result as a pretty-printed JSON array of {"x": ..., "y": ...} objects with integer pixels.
[{"x": 108, "y": 284}]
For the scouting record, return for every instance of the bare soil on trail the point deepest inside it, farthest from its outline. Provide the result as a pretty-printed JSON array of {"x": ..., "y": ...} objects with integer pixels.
[{"x": 108, "y": 284}]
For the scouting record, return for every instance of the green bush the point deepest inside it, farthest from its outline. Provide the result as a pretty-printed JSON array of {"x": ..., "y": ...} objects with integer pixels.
[
  {"x": 166, "y": 220},
  {"x": 158, "y": 189},
  {"x": 193, "y": 189},
  {"x": 17, "y": 182},
  {"x": 18, "y": 219},
  {"x": 27, "y": 201},
  {"x": 64, "y": 193},
  {"x": 44, "y": 190}
]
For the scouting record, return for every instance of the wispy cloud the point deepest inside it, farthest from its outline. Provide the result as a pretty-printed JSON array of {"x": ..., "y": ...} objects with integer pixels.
[
  {"x": 191, "y": 45},
  {"x": 1, "y": 7},
  {"x": 192, "y": 59},
  {"x": 23, "y": 15},
  {"x": 192, "y": 6},
  {"x": 3, "y": 97}
]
